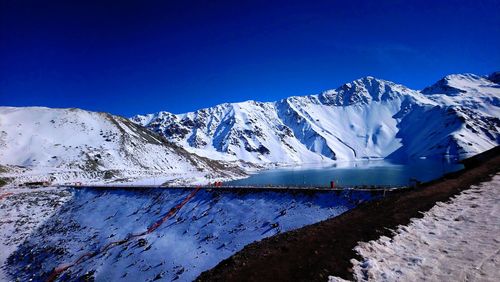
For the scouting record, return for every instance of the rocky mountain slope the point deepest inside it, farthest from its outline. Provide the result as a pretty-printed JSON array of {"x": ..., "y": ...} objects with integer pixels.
[
  {"x": 67, "y": 145},
  {"x": 367, "y": 118}
]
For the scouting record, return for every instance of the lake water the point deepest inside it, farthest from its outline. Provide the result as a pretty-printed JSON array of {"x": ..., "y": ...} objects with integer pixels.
[{"x": 345, "y": 174}]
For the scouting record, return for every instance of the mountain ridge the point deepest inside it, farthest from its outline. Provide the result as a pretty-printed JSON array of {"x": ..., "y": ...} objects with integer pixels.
[
  {"x": 363, "y": 119},
  {"x": 68, "y": 145}
]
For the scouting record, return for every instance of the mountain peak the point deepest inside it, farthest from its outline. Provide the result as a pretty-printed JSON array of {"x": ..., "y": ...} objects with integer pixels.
[
  {"x": 366, "y": 81},
  {"x": 455, "y": 84},
  {"x": 363, "y": 90}
]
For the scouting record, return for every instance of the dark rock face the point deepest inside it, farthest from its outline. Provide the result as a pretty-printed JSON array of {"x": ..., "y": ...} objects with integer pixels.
[
  {"x": 261, "y": 149},
  {"x": 174, "y": 130}
]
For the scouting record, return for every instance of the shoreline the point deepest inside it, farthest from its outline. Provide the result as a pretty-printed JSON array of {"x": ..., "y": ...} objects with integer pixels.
[{"x": 314, "y": 252}]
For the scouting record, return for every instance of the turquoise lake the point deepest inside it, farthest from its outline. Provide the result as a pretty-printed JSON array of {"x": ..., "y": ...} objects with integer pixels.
[{"x": 345, "y": 174}]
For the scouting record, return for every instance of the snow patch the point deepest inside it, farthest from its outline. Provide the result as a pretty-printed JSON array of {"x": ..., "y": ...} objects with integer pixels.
[{"x": 454, "y": 241}]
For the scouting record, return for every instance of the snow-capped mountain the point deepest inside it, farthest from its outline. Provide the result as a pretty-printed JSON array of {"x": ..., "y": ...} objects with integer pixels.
[
  {"x": 73, "y": 144},
  {"x": 366, "y": 118}
]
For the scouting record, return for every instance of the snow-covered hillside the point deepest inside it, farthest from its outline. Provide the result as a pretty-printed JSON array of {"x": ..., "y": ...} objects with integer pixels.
[
  {"x": 366, "y": 118},
  {"x": 101, "y": 227},
  {"x": 22, "y": 211},
  {"x": 67, "y": 145}
]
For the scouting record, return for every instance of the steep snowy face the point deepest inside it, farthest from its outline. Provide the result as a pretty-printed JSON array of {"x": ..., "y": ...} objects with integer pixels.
[
  {"x": 464, "y": 121},
  {"x": 355, "y": 121},
  {"x": 366, "y": 118},
  {"x": 249, "y": 131},
  {"x": 72, "y": 143},
  {"x": 467, "y": 90},
  {"x": 438, "y": 131}
]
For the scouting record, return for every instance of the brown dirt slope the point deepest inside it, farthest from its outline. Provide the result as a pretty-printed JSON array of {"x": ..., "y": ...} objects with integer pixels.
[{"x": 313, "y": 252}]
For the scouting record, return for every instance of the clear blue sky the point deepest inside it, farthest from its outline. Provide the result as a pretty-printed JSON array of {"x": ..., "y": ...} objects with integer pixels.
[{"x": 130, "y": 57}]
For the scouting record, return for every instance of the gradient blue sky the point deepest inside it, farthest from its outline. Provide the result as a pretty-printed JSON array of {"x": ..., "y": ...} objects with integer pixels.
[{"x": 131, "y": 57}]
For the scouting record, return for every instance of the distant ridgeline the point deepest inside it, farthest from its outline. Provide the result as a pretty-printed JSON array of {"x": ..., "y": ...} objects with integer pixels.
[
  {"x": 458, "y": 116},
  {"x": 41, "y": 145}
]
